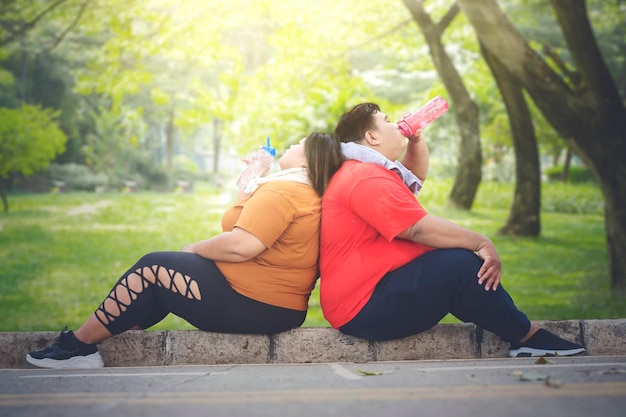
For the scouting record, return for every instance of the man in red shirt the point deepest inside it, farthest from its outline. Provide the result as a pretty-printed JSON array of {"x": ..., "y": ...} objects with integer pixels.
[{"x": 388, "y": 268}]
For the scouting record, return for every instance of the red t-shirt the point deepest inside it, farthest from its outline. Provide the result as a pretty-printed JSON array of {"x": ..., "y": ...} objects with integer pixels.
[{"x": 363, "y": 209}]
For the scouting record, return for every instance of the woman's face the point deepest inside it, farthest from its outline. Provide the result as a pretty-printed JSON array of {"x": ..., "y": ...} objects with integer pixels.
[
  {"x": 293, "y": 157},
  {"x": 392, "y": 142}
]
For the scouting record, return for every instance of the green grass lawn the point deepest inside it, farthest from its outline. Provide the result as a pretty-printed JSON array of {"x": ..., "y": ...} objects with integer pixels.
[{"x": 61, "y": 253}]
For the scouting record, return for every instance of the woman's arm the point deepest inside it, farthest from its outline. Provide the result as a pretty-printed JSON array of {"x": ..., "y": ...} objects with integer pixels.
[
  {"x": 416, "y": 157},
  {"x": 235, "y": 246},
  {"x": 440, "y": 233}
]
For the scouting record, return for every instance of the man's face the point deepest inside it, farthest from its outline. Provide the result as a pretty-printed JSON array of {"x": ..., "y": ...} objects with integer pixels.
[{"x": 391, "y": 142}]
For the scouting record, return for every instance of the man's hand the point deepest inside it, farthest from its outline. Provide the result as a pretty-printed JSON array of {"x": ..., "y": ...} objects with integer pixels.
[
  {"x": 416, "y": 137},
  {"x": 491, "y": 270}
]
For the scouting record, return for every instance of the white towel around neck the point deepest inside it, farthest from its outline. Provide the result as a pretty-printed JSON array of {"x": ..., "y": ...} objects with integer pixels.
[
  {"x": 290, "y": 174},
  {"x": 352, "y": 150}
]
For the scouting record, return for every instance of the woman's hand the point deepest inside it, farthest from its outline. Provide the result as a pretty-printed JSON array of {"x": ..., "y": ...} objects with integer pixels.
[{"x": 189, "y": 248}]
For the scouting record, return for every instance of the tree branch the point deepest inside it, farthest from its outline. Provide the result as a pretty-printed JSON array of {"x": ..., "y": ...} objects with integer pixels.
[
  {"x": 416, "y": 8},
  {"x": 448, "y": 18},
  {"x": 370, "y": 40},
  {"x": 381, "y": 35},
  {"x": 572, "y": 76},
  {"x": 26, "y": 26},
  {"x": 6, "y": 5},
  {"x": 71, "y": 26}
]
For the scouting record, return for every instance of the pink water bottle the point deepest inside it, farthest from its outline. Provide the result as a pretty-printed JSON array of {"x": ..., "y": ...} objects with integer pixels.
[{"x": 412, "y": 122}]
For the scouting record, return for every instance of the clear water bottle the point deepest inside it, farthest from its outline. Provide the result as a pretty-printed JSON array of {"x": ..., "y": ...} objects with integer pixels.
[
  {"x": 410, "y": 123},
  {"x": 259, "y": 163}
]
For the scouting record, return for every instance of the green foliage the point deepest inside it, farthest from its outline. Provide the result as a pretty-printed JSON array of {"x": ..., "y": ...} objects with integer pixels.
[
  {"x": 565, "y": 198},
  {"x": 29, "y": 139},
  {"x": 576, "y": 174},
  {"x": 135, "y": 165},
  {"x": 575, "y": 199},
  {"x": 76, "y": 177},
  {"x": 6, "y": 78},
  {"x": 61, "y": 253},
  {"x": 259, "y": 68},
  {"x": 186, "y": 170},
  {"x": 113, "y": 149},
  {"x": 556, "y": 197}
]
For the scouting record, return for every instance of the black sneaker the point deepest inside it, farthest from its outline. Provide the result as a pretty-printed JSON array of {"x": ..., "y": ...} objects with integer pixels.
[
  {"x": 66, "y": 352},
  {"x": 544, "y": 343}
]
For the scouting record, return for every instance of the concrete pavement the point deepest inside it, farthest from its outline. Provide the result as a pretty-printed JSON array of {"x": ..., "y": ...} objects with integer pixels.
[
  {"x": 312, "y": 345},
  {"x": 559, "y": 387}
]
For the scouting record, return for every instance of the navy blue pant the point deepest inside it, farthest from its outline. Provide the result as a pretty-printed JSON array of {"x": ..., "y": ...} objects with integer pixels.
[
  {"x": 190, "y": 287},
  {"x": 417, "y": 296}
]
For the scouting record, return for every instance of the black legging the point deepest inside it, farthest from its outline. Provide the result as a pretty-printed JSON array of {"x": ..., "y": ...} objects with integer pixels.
[
  {"x": 416, "y": 296},
  {"x": 190, "y": 287}
]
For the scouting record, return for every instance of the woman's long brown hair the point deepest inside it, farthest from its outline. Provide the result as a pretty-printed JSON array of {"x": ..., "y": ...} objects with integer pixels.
[{"x": 324, "y": 157}]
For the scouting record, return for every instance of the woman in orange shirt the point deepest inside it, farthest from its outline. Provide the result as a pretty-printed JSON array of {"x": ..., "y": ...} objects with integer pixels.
[{"x": 254, "y": 277}]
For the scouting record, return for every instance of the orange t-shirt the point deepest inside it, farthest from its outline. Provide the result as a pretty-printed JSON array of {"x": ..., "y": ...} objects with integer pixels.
[{"x": 285, "y": 216}]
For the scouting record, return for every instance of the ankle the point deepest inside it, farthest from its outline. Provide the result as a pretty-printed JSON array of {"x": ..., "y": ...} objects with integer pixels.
[
  {"x": 533, "y": 329},
  {"x": 80, "y": 338},
  {"x": 92, "y": 332}
]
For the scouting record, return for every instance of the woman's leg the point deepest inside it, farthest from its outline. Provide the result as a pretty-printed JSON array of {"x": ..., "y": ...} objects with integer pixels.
[
  {"x": 189, "y": 286},
  {"x": 417, "y": 296},
  {"x": 160, "y": 283}
]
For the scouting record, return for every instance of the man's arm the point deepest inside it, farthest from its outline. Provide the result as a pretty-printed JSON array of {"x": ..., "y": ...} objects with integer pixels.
[
  {"x": 440, "y": 233},
  {"x": 416, "y": 156}
]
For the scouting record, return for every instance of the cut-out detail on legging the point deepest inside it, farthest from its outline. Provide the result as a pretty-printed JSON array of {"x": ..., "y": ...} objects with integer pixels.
[{"x": 129, "y": 288}]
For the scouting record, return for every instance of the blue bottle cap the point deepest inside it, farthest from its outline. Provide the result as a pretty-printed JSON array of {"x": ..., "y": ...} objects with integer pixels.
[{"x": 268, "y": 148}]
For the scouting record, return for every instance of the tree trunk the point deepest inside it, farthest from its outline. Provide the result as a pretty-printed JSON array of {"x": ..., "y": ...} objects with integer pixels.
[
  {"x": 524, "y": 215},
  {"x": 3, "y": 195},
  {"x": 217, "y": 143},
  {"x": 591, "y": 119},
  {"x": 566, "y": 165},
  {"x": 169, "y": 140},
  {"x": 469, "y": 172}
]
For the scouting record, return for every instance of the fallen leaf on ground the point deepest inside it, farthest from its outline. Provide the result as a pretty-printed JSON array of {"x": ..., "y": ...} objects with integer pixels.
[
  {"x": 529, "y": 376},
  {"x": 369, "y": 373}
]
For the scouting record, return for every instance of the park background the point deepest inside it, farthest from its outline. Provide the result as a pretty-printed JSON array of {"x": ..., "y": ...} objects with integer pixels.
[{"x": 122, "y": 124}]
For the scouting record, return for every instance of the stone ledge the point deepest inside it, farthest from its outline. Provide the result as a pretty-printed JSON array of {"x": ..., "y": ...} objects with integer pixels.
[{"x": 312, "y": 345}]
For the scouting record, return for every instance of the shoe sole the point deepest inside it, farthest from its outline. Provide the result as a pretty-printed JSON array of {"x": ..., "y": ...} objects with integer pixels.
[
  {"x": 77, "y": 362},
  {"x": 530, "y": 352}
]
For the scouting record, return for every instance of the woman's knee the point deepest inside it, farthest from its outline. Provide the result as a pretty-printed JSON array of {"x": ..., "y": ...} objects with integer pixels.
[{"x": 151, "y": 258}]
